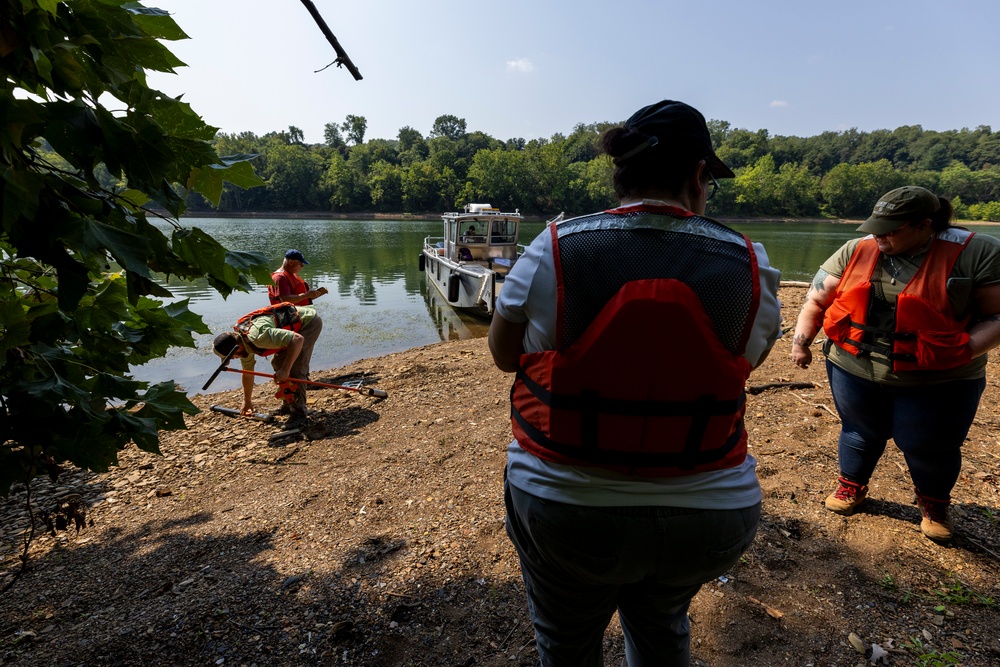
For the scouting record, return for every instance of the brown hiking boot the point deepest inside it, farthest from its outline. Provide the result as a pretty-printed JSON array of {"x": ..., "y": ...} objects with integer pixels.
[
  {"x": 937, "y": 523},
  {"x": 847, "y": 497}
]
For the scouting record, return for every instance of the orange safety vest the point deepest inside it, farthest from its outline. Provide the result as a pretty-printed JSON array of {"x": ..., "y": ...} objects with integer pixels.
[
  {"x": 299, "y": 286},
  {"x": 286, "y": 316},
  {"x": 926, "y": 334},
  {"x": 650, "y": 387}
]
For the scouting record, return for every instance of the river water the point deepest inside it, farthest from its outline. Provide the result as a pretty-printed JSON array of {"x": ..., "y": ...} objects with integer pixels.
[{"x": 379, "y": 301}]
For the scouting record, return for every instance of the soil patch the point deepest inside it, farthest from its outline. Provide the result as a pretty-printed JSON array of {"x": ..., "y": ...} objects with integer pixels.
[{"x": 376, "y": 537}]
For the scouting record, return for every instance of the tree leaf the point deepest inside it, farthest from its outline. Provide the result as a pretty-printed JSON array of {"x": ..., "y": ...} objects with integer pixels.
[{"x": 209, "y": 180}]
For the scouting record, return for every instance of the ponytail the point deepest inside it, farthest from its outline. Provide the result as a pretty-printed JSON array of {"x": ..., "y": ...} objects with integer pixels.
[
  {"x": 941, "y": 218},
  {"x": 642, "y": 164}
]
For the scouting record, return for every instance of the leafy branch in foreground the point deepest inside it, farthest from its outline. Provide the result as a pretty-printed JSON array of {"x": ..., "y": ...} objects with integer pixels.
[{"x": 79, "y": 300}]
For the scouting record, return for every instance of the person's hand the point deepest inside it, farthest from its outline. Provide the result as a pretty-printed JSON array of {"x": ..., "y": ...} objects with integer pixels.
[
  {"x": 802, "y": 355},
  {"x": 280, "y": 375},
  {"x": 247, "y": 408},
  {"x": 321, "y": 291}
]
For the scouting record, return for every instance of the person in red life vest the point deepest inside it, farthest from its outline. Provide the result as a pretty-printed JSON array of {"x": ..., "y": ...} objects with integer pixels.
[
  {"x": 285, "y": 331},
  {"x": 632, "y": 333},
  {"x": 909, "y": 312},
  {"x": 288, "y": 287}
]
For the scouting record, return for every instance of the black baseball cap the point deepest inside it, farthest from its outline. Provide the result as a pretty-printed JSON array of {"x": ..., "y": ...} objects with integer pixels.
[
  {"x": 224, "y": 344},
  {"x": 296, "y": 255},
  {"x": 678, "y": 129}
]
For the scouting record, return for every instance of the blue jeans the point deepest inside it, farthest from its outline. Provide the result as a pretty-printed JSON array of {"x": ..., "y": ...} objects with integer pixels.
[
  {"x": 928, "y": 424},
  {"x": 580, "y": 564}
]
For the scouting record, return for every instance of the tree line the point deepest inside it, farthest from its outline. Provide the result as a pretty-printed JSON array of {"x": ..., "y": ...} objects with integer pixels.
[{"x": 835, "y": 174}]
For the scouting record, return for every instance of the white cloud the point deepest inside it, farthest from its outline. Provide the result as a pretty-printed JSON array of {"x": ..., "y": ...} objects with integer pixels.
[
  {"x": 520, "y": 65},
  {"x": 777, "y": 104}
]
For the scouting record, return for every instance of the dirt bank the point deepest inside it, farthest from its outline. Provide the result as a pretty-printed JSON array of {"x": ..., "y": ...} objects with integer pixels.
[{"x": 378, "y": 539}]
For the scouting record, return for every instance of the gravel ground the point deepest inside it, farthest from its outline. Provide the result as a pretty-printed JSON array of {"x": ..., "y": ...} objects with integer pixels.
[{"x": 376, "y": 538}]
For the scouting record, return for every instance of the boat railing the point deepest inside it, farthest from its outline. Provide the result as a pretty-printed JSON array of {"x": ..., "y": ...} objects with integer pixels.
[{"x": 483, "y": 214}]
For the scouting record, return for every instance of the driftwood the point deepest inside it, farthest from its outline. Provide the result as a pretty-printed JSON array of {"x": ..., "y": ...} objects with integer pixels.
[
  {"x": 342, "y": 57},
  {"x": 758, "y": 388},
  {"x": 794, "y": 283}
]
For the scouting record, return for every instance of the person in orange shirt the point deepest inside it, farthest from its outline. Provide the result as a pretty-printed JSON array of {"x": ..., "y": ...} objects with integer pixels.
[{"x": 288, "y": 287}]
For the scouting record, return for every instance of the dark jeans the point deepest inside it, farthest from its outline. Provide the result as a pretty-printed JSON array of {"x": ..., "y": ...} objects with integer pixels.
[
  {"x": 928, "y": 424},
  {"x": 580, "y": 564},
  {"x": 300, "y": 369}
]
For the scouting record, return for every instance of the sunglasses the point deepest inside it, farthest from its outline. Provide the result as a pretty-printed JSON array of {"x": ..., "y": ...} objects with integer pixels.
[{"x": 715, "y": 187}]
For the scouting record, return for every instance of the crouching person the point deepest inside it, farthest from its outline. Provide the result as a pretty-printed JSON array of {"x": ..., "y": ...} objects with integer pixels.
[{"x": 289, "y": 333}]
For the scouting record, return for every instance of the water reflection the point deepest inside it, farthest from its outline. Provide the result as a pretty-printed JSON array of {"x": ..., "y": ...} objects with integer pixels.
[{"x": 452, "y": 324}]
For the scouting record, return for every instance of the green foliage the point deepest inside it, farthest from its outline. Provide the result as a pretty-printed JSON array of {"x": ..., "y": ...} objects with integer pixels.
[
  {"x": 292, "y": 174},
  {"x": 926, "y": 656},
  {"x": 851, "y": 190},
  {"x": 421, "y": 185},
  {"x": 503, "y": 178},
  {"x": 79, "y": 257},
  {"x": 448, "y": 126},
  {"x": 955, "y": 593},
  {"x": 354, "y": 127},
  {"x": 345, "y": 185},
  {"x": 332, "y": 135},
  {"x": 386, "y": 185},
  {"x": 989, "y": 211},
  {"x": 838, "y": 174}
]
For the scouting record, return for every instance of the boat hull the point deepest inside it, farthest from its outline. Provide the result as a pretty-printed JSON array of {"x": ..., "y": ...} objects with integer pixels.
[{"x": 469, "y": 286}]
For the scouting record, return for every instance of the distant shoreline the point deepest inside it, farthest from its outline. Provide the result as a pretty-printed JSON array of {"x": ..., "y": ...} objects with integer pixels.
[{"x": 329, "y": 215}]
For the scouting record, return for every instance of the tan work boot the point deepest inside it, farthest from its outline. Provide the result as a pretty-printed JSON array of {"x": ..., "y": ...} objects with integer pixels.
[
  {"x": 937, "y": 523},
  {"x": 847, "y": 497}
]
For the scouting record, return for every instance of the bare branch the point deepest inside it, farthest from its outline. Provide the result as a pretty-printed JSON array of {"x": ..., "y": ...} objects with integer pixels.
[{"x": 342, "y": 57}]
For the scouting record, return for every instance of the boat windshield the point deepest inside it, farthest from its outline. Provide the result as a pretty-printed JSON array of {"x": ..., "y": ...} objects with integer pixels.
[{"x": 504, "y": 231}]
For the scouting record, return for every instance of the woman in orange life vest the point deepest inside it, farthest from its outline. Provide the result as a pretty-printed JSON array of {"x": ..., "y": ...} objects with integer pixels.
[
  {"x": 909, "y": 312},
  {"x": 632, "y": 333},
  {"x": 288, "y": 287},
  {"x": 289, "y": 333}
]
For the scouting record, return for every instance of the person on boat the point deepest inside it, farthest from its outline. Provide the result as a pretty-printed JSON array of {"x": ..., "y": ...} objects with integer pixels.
[
  {"x": 288, "y": 287},
  {"x": 471, "y": 236},
  {"x": 632, "y": 333},
  {"x": 909, "y": 313},
  {"x": 287, "y": 332}
]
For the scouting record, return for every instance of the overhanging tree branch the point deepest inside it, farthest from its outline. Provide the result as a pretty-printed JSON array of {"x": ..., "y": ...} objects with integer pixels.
[{"x": 342, "y": 57}]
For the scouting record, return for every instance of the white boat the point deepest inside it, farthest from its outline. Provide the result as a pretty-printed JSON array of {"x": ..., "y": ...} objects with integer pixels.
[{"x": 469, "y": 263}]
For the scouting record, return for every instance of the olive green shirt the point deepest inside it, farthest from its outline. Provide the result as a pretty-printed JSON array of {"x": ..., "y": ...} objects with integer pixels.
[
  {"x": 265, "y": 335},
  {"x": 977, "y": 265}
]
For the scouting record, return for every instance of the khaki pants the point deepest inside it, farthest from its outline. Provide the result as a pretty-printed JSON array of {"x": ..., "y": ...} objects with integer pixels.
[{"x": 300, "y": 369}]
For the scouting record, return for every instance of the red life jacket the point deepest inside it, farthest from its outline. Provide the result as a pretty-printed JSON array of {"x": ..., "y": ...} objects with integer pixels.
[
  {"x": 286, "y": 316},
  {"x": 926, "y": 334},
  {"x": 655, "y": 307},
  {"x": 298, "y": 285}
]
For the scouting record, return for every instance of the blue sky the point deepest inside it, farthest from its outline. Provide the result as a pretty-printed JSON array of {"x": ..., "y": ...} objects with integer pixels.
[{"x": 522, "y": 68}]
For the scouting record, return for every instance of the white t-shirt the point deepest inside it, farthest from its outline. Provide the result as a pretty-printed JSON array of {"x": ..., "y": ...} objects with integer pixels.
[{"x": 529, "y": 295}]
